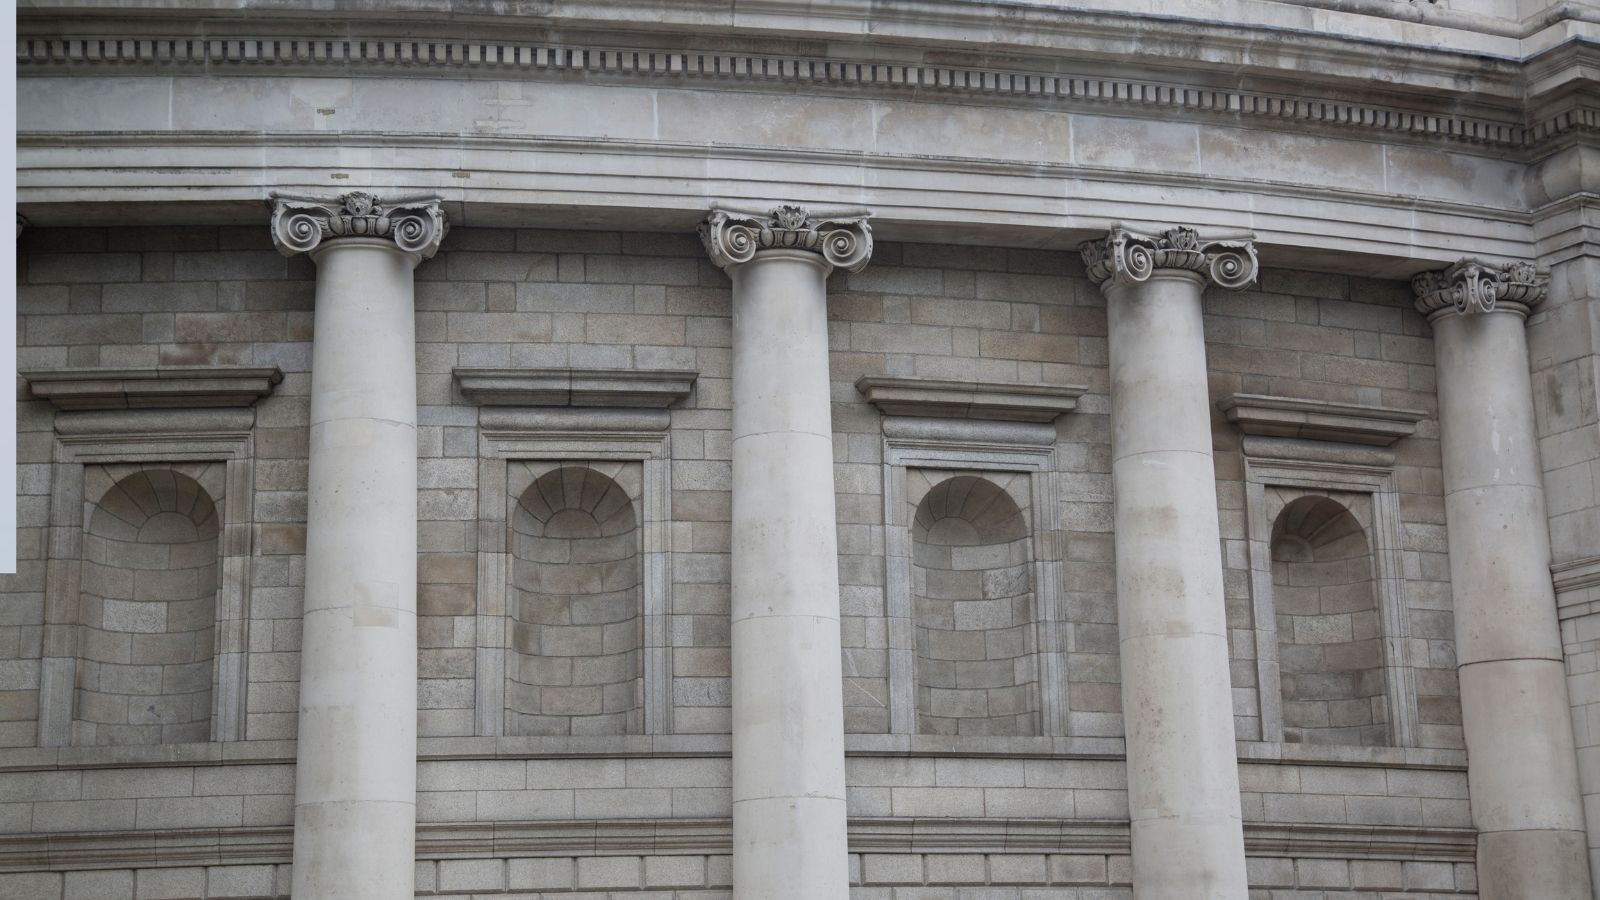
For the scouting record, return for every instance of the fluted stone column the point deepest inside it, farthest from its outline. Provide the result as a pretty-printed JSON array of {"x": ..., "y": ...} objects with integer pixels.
[
  {"x": 789, "y": 839},
  {"x": 355, "y": 775},
  {"x": 1521, "y": 762},
  {"x": 1177, "y": 706}
]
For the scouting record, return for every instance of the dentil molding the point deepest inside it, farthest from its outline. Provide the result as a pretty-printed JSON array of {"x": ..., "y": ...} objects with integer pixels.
[
  {"x": 414, "y": 224},
  {"x": 475, "y": 58},
  {"x": 1126, "y": 256}
]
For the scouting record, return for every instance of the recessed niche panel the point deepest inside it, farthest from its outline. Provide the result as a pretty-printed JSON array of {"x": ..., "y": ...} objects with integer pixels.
[
  {"x": 977, "y": 667},
  {"x": 148, "y": 610},
  {"x": 1330, "y": 633},
  {"x": 576, "y": 628}
]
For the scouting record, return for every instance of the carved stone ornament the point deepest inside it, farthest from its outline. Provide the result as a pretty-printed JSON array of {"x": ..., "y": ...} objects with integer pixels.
[
  {"x": 1472, "y": 286},
  {"x": 1126, "y": 256},
  {"x": 731, "y": 238},
  {"x": 415, "y": 224}
]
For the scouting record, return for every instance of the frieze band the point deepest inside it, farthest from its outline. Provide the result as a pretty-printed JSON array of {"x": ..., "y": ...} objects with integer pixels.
[
  {"x": 732, "y": 238},
  {"x": 300, "y": 224},
  {"x": 1126, "y": 256}
]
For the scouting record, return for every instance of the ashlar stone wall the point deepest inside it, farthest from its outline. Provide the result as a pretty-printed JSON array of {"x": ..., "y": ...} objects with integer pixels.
[{"x": 138, "y": 297}]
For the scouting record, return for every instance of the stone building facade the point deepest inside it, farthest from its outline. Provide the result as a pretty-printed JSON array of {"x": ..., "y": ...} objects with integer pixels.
[{"x": 904, "y": 451}]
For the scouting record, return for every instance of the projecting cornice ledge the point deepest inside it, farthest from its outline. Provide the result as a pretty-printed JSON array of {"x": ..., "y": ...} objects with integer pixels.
[
  {"x": 1321, "y": 420},
  {"x": 620, "y": 388},
  {"x": 186, "y": 387},
  {"x": 941, "y": 399}
]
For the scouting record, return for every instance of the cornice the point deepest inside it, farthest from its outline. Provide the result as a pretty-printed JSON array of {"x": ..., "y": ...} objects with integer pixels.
[
  {"x": 184, "y": 387},
  {"x": 1294, "y": 417},
  {"x": 1349, "y": 32},
  {"x": 1167, "y": 93},
  {"x": 620, "y": 388},
  {"x": 938, "y": 398}
]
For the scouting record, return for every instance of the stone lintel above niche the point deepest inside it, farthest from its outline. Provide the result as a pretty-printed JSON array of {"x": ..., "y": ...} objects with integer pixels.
[
  {"x": 1293, "y": 417},
  {"x": 629, "y": 388},
  {"x": 166, "y": 387},
  {"x": 944, "y": 399}
]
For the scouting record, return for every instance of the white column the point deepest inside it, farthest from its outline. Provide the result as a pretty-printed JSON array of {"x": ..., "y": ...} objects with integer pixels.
[
  {"x": 355, "y": 773},
  {"x": 1183, "y": 776},
  {"x": 1521, "y": 762},
  {"x": 789, "y": 830}
]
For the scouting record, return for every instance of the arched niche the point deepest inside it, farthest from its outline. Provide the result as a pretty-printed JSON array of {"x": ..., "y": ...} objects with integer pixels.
[
  {"x": 575, "y": 664},
  {"x": 147, "y": 612},
  {"x": 977, "y": 669},
  {"x": 1329, "y": 627}
]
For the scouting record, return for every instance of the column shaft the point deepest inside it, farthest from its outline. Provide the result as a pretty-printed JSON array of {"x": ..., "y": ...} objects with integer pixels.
[
  {"x": 1521, "y": 764},
  {"x": 355, "y": 778},
  {"x": 1183, "y": 782},
  {"x": 789, "y": 837}
]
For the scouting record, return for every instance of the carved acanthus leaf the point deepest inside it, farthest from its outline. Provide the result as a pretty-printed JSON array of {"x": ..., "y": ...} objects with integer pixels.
[
  {"x": 1126, "y": 256},
  {"x": 414, "y": 224},
  {"x": 1472, "y": 286},
  {"x": 732, "y": 238}
]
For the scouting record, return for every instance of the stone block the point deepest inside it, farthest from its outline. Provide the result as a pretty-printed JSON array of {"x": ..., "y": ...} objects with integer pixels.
[
  {"x": 108, "y": 884},
  {"x": 540, "y": 874},
  {"x": 609, "y": 872},
  {"x": 239, "y": 881},
  {"x": 169, "y": 884},
  {"x": 891, "y": 868},
  {"x": 674, "y": 871},
  {"x": 471, "y": 875}
]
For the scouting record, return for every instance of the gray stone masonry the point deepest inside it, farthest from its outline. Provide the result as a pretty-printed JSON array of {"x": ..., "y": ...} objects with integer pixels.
[{"x": 143, "y": 297}]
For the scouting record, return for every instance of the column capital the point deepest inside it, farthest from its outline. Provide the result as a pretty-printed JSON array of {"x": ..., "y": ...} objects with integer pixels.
[
  {"x": 1471, "y": 286},
  {"x": 300, "y": 224},
  {"x": 732, "y": 237},
  {"x": 1126, "y": 256}
]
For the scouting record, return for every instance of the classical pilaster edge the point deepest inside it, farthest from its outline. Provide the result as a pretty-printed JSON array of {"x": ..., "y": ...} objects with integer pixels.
[
  {"x": 1126, "y": 256},
  {"x": 300, "y": 224},
  {"x": 732, "y": 237},
  {"x": 1471, "y": 286}
]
